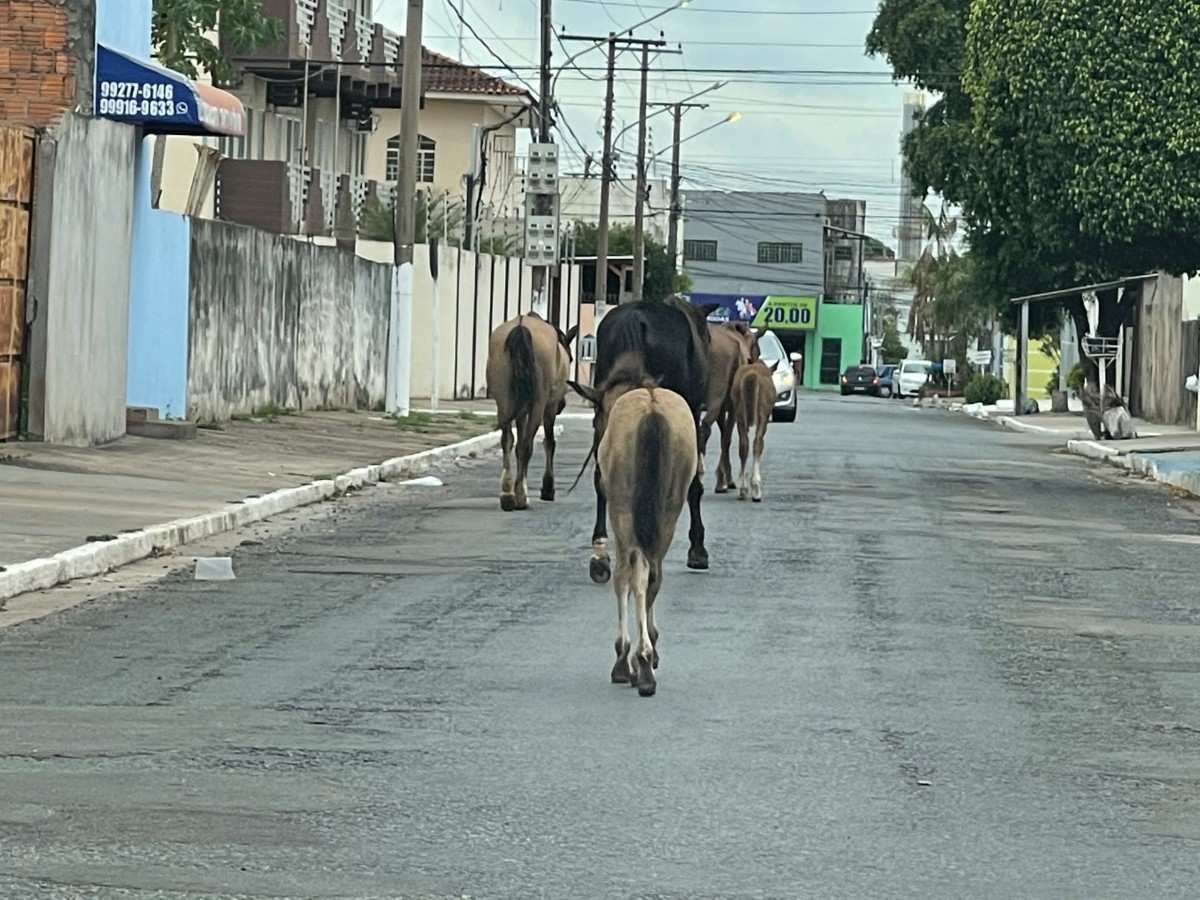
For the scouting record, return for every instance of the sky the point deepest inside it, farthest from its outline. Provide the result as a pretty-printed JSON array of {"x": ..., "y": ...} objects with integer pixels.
[{"x": 837, "y": 131}]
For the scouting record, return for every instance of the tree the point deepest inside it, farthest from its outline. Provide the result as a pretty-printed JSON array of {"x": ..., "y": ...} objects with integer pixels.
[
  {"x": 893, "y": 350},
  {"x": 660, "y": 282},
  {"x": 1087, "y": 138},
  {"x": 181, "y": 30},
  {"x": 925, "y": 42}
]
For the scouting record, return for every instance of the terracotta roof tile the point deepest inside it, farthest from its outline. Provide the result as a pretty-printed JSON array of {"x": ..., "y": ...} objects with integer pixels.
[{"x": 448, "y": 76}]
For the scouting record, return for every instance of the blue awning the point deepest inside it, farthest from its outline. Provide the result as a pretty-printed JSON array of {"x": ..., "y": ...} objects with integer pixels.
[{"x": 162, "y": 101}]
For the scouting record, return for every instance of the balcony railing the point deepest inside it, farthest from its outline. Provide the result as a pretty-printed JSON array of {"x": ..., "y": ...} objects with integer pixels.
[{"x": 285, "y": 198}]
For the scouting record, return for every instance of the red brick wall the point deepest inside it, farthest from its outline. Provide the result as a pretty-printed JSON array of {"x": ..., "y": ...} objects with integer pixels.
[{"x": 38, "y": 70}]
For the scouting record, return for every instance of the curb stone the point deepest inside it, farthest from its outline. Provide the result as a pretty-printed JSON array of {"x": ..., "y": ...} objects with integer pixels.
[{"x": 97, "y": 558}]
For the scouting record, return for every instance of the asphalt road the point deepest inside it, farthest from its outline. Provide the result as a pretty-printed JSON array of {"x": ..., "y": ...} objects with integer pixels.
[{"x": 940, "y": 661}]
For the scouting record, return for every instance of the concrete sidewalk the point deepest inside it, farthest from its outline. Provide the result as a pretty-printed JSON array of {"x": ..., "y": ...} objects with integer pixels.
[
  {"x": 61, "y": 499},
  {"x": 1169, "y": 454}
]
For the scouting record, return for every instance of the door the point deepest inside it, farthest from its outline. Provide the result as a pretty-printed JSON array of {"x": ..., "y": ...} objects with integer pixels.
[
  {"x": 16, "y": 193},
  {"x": 831, "y": 360}
]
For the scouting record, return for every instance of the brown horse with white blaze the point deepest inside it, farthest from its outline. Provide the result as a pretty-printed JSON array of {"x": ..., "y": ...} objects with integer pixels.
[
  {"x": 646, "y": 462},
  {"x": 753, "y": 403},
  {"x": 527, "y": 368}
]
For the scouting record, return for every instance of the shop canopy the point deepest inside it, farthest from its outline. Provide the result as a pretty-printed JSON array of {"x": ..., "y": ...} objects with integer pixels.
[{"x": 161, "y": 101}]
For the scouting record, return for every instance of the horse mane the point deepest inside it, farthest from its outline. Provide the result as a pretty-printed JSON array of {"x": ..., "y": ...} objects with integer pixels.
[{"x": 629, "y": 372}]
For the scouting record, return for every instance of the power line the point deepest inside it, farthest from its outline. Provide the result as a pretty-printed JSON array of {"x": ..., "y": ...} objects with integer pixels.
[{"x": 740, "y": 12}]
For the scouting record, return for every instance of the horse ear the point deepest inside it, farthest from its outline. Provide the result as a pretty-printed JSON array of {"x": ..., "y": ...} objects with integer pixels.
[
  {"x": 775, "y": 365},
  {"x": 707, "y": 309},
  {"x": 569, "y": 337},
  {"x": 591, "y": 395}
]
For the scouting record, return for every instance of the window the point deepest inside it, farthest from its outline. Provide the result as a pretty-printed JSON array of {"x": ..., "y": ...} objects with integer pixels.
[
  {"x": 700, "y": 251},
  {"x": 426, "y": 159},
  {"x": 293, "y": 142},
  {"x": 843, "y": 253},
  {"x": 831, "y": 360},
  {"x": 780, "y": 254}
]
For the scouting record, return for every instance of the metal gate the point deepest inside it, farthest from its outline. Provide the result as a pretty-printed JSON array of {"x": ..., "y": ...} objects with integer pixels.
[{"x": 16, "y": 193}]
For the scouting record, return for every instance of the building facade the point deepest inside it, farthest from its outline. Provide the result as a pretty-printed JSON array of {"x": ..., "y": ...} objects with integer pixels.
[{"x": 761, "y": 257}]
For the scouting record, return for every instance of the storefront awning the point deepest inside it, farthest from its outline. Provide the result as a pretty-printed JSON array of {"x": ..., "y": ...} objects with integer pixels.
[{"x": 161, "y": 101}]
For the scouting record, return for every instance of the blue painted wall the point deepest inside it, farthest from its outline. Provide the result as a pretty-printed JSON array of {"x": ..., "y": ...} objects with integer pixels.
[{"x": 158, "y": 265}]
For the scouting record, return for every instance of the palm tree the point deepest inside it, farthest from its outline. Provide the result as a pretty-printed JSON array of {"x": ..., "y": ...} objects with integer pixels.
[{"x": 939, "y": 232}]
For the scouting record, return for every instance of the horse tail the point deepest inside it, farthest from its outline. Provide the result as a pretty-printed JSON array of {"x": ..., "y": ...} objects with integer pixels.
[
  {"x": 750, "y": 399},
  {"x": 523, "y": 384},
  {"x": 649, "y": 486}
]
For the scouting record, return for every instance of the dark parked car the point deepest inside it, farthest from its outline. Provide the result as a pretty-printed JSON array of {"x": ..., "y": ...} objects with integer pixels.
[
  {"x": 887, "y": 381},
  {"x": 860, "y": 378}
]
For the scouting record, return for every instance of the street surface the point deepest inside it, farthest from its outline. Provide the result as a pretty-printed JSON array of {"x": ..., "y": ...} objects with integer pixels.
[{"x": 939, "y": 661}]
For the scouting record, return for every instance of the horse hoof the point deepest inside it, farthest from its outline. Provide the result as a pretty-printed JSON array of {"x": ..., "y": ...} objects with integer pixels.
[
  {"x": 646, "y": 685},
  {"x": 698, "y": 560},
  {"x": 721, "y": 489},
  {"x": 620, "y": 672},
  {"x": 600, "y": 570},
  {"x": 548, "y": 495},
  {"x": 508, "y": 502},
  {"x": 647, "y": 690},
  {"x": 758, "y": 499}
]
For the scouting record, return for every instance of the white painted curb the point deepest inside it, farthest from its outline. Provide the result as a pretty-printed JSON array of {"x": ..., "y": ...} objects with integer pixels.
[
  {"x": 1093, "y": 450},
  {"x": 99, "y": 557}
]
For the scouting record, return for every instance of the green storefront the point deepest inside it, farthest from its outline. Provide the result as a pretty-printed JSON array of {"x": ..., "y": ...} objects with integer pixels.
[{"x": 828, "y": 335}]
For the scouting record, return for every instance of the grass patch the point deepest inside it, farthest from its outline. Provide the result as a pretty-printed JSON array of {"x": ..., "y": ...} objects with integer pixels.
[
  {"x": 431, "y": 423},
  {"x": 268, "y": 412}
]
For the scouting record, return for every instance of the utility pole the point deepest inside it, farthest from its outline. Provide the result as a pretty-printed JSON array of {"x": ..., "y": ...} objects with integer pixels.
[
  {"x": 605, "y": 176},
  {"x": 639, "y": 238},
  {"x": 677, "y": 111},
  {"x": 405, "y": 224},
  {"x": 614, "y": 42},
  {"x": 545, "y": 204}
]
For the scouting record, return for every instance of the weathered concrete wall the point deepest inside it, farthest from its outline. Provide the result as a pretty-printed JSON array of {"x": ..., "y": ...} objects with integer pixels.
[
  {"x": 277, "y": 321},
  {"x": 87, "y": 302}
]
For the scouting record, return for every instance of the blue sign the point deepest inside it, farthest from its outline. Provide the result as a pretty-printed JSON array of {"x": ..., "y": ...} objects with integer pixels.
[{"x": 161, "y": 101}]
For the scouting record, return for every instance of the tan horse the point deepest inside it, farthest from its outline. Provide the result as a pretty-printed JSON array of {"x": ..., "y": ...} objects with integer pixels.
[
  {"x": 527, "y": 368},
  {"x": 753, "y": 403},
  {"x": 732, "y": 345},
  {"x": 647, "y": 461}
]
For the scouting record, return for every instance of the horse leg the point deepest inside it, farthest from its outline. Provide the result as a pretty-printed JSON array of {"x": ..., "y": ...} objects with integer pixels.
[
  {"x": 705, "y": 433},
  {"x": 651, "y": 595},
  {"x": 507, "y": 501},
  {"x": 620, "y": 670},
  {"x": 756, "y": 482},
  {"x": 526, "y": 429},
  {"x": 600, "y": 568},
  {"x": 551, "y": 446},
  {"x": 642, "y": 664},
  {"x": 697, "y": 555},
  {"x": 743, "y": 427},
  {"x": 724, "y": 466}
]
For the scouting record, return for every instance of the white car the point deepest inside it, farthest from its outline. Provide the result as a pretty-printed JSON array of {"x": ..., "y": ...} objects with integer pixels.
[{"x": 911, "y": 376}]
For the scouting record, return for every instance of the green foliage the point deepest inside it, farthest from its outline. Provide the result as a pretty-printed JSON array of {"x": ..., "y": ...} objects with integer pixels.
[
  {"x": 985, "y": 389},
  {"x": 180, "y": 32},
  {"x": 660, "y": 282},
  {"x": 1087, "y": 132},
  {"x": 893, "y": 350}
]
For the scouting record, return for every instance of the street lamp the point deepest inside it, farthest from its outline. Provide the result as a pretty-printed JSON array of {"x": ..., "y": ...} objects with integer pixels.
[
  {"x": 715, "y": 86},
  {"x": 728, "y": 120}
]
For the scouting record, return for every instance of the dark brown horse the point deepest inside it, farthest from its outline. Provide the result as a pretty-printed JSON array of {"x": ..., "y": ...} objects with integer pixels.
[
  {"x": 670, "y": 340},
  {"x": 528, "y": 360}
]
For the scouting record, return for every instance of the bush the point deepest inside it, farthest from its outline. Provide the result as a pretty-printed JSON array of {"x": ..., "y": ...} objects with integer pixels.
[{"x": 985, "y": 389}]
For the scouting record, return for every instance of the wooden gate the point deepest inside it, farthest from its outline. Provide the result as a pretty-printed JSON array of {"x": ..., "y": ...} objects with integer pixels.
[{"x": 16, "y": 193}]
